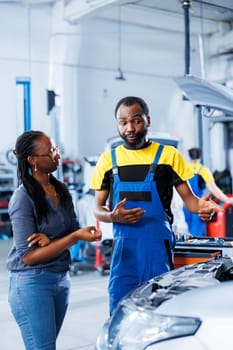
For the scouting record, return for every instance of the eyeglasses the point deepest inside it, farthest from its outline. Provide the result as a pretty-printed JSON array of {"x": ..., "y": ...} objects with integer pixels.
[{"x": 54, "y": 151}]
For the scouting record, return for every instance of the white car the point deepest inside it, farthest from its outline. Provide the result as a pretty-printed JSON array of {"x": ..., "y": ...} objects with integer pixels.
[{"x": 190, "y": 308}]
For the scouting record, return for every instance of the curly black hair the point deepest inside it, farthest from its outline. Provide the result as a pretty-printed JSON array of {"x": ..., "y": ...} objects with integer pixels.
[{"x": 25, "y": 146}]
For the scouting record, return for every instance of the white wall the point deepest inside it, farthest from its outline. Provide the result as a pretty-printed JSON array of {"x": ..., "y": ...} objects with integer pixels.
[
  {"x": 149, "y": 61},
  {"x": 80, "y": 63},
  {"x": 24, "y": 49}
]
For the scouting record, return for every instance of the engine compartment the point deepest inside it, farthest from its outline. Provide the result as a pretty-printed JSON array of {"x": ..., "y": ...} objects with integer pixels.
[{"x": 177, "y": 281}]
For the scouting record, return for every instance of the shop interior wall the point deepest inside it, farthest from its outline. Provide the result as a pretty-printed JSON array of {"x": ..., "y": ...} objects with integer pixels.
[
  {"x": 23, "y": 55},
  {"x": 84, "y": 77}
]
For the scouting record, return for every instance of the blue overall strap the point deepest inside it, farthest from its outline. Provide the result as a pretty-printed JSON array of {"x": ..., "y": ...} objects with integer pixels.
[
  {"x": 152, "y": 166},
  {"x": 150, "y": 176},
  {"x": 155, "y": 162},
  {"x": 157, "y": 155},
  {"x": 156, "y": 159},
  {"x": 114, "y": 163}
]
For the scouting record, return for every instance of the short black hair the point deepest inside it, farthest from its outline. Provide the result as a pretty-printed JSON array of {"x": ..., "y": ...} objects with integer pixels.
[
  {"x": 132, "y": 100},
  {"x": 195, "y": 153}
]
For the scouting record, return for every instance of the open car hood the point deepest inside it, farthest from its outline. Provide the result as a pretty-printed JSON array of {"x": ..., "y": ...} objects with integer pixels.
[
  {"x": 166, "y": 286},
  {"x": 206, "y": 93},
  {"x": 167, "y": 307}
]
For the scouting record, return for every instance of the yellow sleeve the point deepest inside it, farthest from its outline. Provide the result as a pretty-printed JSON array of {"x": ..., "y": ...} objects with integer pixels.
[
  {"x": 206, "y": 174},
  {"x": 103, "y": 165},
  {"x": 172, "y": 156}
]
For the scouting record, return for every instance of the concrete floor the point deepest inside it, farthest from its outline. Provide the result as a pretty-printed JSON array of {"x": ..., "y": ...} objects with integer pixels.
[{"x": 86, "y": 314}]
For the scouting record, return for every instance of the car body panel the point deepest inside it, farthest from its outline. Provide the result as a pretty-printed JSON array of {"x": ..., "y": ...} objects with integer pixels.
[{"x": 201, "y": 291}]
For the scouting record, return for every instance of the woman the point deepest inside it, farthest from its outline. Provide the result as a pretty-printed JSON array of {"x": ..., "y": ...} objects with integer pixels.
[{"x": 44, "y": 227}]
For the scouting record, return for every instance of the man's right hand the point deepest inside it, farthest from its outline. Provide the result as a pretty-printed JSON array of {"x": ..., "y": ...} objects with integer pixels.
[{"x": 126, "y": 216}]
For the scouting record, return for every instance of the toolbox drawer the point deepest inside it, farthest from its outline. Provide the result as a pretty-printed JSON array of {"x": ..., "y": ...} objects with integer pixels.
[{"x": 193, "y": 256}]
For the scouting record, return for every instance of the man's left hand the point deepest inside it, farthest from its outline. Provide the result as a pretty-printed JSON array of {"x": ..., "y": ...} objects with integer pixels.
[{"x": 207, "y": 208}]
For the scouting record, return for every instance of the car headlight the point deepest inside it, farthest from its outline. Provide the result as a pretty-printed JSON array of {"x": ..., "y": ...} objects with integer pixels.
[{"x": 134, "y": 328}]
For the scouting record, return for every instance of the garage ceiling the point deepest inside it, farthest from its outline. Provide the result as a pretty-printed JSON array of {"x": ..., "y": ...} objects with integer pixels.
[
  {"x": 216, "y": 10},
  {"x": 210, "y": 10},
  {"x": 157, "y": 14}
]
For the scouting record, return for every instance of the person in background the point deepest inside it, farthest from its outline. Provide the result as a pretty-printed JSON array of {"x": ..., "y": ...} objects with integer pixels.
[
  {"x": 44, "y": 227},
  {"x": 179, "y": 225},
  {"x": 133, "y": 186},
  {"x": 201, "y": 182}
]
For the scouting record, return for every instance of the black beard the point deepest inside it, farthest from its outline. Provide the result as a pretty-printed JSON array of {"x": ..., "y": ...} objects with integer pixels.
[{"x": 139, "y": 141}]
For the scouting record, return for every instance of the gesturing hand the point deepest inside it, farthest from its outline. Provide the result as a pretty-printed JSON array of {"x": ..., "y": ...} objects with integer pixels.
[
  {"x": 89, "y": 234},
  {"x": 207, "y": 208},
  {"x": 126, "y": 216}
]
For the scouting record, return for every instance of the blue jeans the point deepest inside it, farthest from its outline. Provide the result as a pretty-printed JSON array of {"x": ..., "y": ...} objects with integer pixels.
[{"x": 38, "y": 301}]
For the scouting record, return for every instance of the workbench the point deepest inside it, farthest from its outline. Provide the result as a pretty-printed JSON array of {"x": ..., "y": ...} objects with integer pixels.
[{"x": 197, "y": 249}]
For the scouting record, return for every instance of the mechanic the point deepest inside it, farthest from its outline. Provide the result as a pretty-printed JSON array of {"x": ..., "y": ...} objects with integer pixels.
[
  {"x": 133, "y": 190},
  {"x": 202, "y": 181}
]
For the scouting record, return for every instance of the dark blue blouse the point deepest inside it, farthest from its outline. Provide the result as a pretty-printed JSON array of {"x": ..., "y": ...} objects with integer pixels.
[{"x": 61, "y": 221}]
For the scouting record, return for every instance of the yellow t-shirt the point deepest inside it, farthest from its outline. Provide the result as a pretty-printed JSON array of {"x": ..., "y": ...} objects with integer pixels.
[
  {"x": 203, "y": 171},
  {"x": 133, "y": 165},
  {"x": 170, "y": 158}
]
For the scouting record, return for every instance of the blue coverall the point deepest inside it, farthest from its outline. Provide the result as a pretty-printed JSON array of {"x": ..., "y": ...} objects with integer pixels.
[
  {"x": 144, "y": 249},
  {"x": 195, "y": 225}
]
